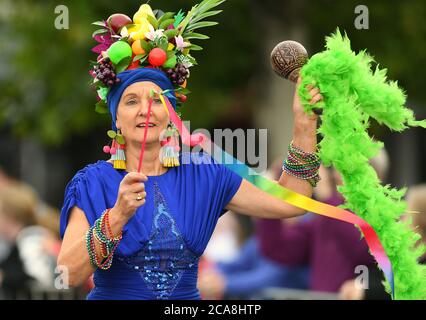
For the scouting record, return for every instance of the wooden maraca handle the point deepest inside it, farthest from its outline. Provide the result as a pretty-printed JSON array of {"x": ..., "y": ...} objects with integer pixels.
[{"x": 287, "y": 58}]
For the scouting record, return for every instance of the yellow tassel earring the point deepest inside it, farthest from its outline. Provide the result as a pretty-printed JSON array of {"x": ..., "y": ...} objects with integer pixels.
[
  {"x": 169, "y": 154},
  {"x": 116, "y": 150}
]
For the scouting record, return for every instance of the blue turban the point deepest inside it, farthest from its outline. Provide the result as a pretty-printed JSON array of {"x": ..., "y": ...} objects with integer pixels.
[{"x": 137, "y": 75}]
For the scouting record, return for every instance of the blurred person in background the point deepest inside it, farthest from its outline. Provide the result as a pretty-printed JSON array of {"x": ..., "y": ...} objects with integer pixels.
[
  {"x": 226, "y": 240},
  {"x": 416, "y": 199},
  {"x": 48, "y": 219},
  {"x": 31, "y": 258},
  {"x": 4, "y": 178},
  {"x": 4, "y": 244},
  {"x": 333, "y": 249},
  {"x": 233, "y": 266},
  {"x": 17, "y": 212},
  {"x": 223, "y": 247},
  {"x": 248, "y": 274}
]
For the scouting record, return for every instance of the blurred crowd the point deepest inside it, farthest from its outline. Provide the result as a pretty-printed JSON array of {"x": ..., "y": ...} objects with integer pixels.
[
  {"x": 313, "y": 255},
  {"x": 29, "y": 241},
  {"x": 301, "y": 258}
]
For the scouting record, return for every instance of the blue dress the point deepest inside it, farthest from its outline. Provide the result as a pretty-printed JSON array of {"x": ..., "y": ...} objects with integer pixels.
[{"x": 159, "y": 253}]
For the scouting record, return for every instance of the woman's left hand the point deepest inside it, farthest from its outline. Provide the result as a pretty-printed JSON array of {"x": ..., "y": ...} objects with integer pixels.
[{"x": 300, "y": 115}]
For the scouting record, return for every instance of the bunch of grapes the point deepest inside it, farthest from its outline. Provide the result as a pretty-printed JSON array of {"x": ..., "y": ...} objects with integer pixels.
[
  {"x": 178, "y": 75},
  {"x": 105, "y": 73}
]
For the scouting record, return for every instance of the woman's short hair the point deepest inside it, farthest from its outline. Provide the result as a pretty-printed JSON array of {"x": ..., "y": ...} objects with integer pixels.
[{"x": 18, "y": 202}]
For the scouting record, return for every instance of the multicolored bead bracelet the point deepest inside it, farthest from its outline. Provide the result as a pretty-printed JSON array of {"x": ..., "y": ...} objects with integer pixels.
[
  {"x": 108, "y": 245},
  {"x": 302, "y": 165}
]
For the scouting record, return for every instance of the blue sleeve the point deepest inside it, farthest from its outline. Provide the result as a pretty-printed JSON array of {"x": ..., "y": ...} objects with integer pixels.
[
  {"x": 231, "y": 184},
  {"x": 76, "y": 195}
]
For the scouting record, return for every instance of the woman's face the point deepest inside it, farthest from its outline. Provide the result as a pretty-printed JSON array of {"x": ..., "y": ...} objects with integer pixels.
[{"x": 132, "y": 113}]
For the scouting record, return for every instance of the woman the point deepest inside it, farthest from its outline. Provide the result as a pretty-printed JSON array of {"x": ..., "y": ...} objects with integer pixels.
[
  {"x": 152, "y": 227},
  {"x": 17, "y": 216}
]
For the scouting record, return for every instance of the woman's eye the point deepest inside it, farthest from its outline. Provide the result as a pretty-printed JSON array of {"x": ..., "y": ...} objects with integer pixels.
[
  {"x": 130, "y": 102},
  {"x": 156, "y": 100}
]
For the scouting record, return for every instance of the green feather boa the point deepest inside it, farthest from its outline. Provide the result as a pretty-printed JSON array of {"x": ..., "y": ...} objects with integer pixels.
[{"x": 352, "y": 94}]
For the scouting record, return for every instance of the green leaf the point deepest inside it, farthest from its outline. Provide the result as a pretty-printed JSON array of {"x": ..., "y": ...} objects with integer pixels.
[
  {"x": 178, "y": 18},
  {"x": 163, "y": 43},
  {"x": 171, "y": 60},
  {"x": 146, "y": 46},
  {"x": 128, "y": 26},
  {"x": 192, "y": 59},
  {"x": 206, "y": 5},
  {"x": 99, "y": 31},
  {"x": 200, "y": 12},
  {"x": 99, "y": 23},
  {"x": 120, "y": 139},
  {"x": 193, "y": 35},
  {"x": 103, "y": 92},
  {"x": 195, "y": 47},
  {"x": 204, "y": 15},
  {"x": 123, "y": 65},
  {"x": 112, "y": 134},
  {"x": 166, "y": 23},
  {"x": 163, "y": 46},
  {"x": 158, "y": 13},
  {"x": 167, "y": 15},
  {"x": 184, "y": 91},
  {"x": 143, "y": 59},
  {"x": 182, "y": 58},
  {"x": 101, "y": 107},
  {"x": 171, "y": 33},
  {"x": 188, "y": 17},
  {"x": 170, "y": 54},
  {"x": 203, "y": 24},
  {"x": 152, "y": 21},
  {"x": 138, "y": 57}
]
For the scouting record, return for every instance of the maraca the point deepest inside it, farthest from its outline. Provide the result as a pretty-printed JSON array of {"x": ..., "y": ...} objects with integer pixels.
[{"x": 287, "y": 58}]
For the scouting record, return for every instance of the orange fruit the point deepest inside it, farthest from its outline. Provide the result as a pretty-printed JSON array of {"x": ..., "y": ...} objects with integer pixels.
[
  {"x": 136, "y": 48},
  {"x": 184, "y": 85}
]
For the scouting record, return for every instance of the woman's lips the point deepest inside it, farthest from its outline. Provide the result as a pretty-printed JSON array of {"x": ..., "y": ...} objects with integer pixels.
[{"x": 142, "y": 125}]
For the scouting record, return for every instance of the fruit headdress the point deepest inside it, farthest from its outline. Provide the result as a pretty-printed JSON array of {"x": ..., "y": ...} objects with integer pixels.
[{"x": 153, "y": 39}]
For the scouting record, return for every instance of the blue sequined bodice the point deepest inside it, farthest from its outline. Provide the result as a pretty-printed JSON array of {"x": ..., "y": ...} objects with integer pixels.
[
  {"x": 165, "y": 256},
  {"x": 162, "y": 242}
]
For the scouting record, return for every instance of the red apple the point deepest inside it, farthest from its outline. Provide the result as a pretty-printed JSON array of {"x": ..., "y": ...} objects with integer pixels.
[
  {"x": 157, "y": 57},
  {"x": 118, "y": 20}
]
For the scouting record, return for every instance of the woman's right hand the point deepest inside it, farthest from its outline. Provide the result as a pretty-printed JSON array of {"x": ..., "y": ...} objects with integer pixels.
[{"x": 130, "y": 188}]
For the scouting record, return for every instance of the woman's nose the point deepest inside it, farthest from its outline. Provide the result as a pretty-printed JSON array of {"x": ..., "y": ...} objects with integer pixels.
[{"x": 143, "y": 110}]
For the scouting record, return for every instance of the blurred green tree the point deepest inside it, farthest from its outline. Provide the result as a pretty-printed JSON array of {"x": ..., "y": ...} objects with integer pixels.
[{"x": 395, "y": 38}]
